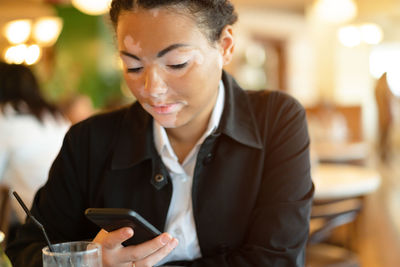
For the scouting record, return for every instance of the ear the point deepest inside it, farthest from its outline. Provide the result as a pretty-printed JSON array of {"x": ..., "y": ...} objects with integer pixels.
[{"x": 226, "y": 44}]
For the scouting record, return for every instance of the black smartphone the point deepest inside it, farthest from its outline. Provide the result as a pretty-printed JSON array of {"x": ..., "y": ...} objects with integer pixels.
[{"x": 111, "y": 219}]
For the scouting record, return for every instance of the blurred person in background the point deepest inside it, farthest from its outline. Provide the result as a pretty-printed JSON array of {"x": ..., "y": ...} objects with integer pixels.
[
  {"x": 77, "y": 108},
  {"x": 31, "y": 133}
]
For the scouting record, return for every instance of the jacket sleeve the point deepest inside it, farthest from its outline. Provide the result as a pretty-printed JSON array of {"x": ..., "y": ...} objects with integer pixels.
[
  {"x": 57, "y": 205},
  {"x": 279, "y": 225}
]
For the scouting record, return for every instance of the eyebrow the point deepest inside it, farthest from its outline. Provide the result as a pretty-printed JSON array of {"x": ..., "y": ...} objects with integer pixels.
[
  {"x": 130, "y": 55},
  {"x": 169, "y": 48},
  {"x": 159, "y": 54}
]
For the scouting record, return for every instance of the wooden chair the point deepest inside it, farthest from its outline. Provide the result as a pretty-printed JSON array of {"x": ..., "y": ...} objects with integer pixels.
[
  {"x": 5, "y": 210},
  {"x": 326, "y": 216},
  {"x": 336, "y": 133},
  {"x": 352, "y": 115},
  {"x": 326, "y": 255},
  {"x": 384, "y": 98}
]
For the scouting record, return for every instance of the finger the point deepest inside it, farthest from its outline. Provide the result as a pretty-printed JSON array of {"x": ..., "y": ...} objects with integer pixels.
[
  {"x": 137, "y": 252},
  {"x": 111, "y": 240},
  {"x": 158, "y": 255}
]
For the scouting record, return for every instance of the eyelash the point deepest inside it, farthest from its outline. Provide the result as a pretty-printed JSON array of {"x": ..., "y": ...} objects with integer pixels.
[
  {"x": 178, "y": 66},
  {"x": 175, "y": 67},
  {"x": 135, "y": 70}
]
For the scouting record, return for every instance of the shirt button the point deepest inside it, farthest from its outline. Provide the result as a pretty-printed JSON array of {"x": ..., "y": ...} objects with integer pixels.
[
  {"x": 178, "y": 232},
  {"x": 159, "y": 178}
]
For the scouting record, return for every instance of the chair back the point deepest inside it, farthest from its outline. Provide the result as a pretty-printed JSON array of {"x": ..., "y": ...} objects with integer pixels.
[
  {"x": 351, "y": 114},
  {"x": 327, "y": 216}
]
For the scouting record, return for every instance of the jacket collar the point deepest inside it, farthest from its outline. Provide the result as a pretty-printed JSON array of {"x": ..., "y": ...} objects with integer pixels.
[
  {"x": 238, "y": 119},
  {"x": 134, "y": 140}
]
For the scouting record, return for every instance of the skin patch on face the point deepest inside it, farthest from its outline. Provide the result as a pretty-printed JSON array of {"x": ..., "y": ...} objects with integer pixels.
[
  {"x": 179, "y": 57},
  {"x": 131, "y": 46},
  {"x": 198, "y": 57},
  {"x": 165, "y": 114}
]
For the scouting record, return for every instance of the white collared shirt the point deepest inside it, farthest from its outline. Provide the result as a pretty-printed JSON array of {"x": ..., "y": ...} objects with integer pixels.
[{"x": 180, "y": 221}]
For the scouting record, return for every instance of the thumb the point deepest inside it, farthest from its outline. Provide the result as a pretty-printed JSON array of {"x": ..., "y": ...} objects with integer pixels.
[{"x": 111, "y": 240}]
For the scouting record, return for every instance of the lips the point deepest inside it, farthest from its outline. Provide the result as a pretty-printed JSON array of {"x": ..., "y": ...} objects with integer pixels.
[{"x": 166, "y": 108}]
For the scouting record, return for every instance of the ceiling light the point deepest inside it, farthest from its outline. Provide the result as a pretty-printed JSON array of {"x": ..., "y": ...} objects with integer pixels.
[
  {"x": 46, "y": 30},
  {"x": 18, "y": 31},
  {"x": 32, "y": 55},
  {"x": 335, "y": 10},
  {"x": 349, "y": 36},
  {"x": 16, "y": 54},
  {"x": 92, "y": 7},
  {"x": 371, "y": 33}
]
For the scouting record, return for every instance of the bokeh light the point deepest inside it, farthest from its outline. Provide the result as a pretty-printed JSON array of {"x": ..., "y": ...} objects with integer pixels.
[
  {"x": 349, "y": 36},
  {"x": 92, "y": 7},
  {"x": 18, "y": 31}
]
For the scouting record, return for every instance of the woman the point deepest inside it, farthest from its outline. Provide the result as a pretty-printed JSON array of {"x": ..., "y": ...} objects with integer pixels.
[
  {"x": 31, "y": 133},
  {"x": 224, "y": 172}
]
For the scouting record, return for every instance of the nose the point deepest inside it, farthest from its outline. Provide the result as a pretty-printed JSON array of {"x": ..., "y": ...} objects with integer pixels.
[{"x": 154, "y": 83}]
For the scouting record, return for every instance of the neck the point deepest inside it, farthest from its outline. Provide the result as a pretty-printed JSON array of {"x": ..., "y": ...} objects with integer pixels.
[{"x": 184, "y": 138}]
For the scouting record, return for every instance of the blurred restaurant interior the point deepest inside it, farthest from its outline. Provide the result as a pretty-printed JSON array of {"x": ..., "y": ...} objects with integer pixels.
[{"x": 339, "y": 58}]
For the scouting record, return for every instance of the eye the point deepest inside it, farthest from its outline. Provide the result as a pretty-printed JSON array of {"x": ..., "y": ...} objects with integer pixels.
[
  {"x": 178, "y": 66},
  {"x": 134, "y": 70}
]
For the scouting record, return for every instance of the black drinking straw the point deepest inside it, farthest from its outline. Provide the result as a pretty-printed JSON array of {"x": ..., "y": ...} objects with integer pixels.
[{"x": 36, "y": 222}]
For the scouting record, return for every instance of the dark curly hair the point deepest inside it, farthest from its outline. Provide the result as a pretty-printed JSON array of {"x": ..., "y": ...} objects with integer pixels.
[{"x": 210, "y": 15}]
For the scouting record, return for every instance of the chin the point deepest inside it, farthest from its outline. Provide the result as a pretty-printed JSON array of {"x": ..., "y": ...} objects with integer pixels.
[
  {"x": 168, "y": 126},
  {"x": 167, "y": 123}
]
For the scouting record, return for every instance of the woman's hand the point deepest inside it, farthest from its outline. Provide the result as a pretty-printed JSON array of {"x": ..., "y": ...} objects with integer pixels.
[{"x": 144, "y": 255}]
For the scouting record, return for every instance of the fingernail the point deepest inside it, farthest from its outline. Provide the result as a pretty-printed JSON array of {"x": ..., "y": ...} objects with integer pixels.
[
  {"x": 128, "y": 232},
  {"x": 165, "y": 238},
  {"x": 173, "y": 243}
]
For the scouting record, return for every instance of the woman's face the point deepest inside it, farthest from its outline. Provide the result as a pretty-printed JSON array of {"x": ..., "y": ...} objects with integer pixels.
[{"x": 170, "y": 66}]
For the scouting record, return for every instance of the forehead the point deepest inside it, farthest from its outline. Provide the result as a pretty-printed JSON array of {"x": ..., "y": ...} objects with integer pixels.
[{"x": 158, "y": 28}]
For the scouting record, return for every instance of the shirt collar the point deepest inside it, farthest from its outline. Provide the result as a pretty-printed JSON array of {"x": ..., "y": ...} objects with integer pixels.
[{"x": 161, "y": 140}]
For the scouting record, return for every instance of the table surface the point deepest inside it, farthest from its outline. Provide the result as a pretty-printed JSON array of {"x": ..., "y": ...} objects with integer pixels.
[
  {"x": 340, "y": 151},
  {"x": 337, "y": 181}
]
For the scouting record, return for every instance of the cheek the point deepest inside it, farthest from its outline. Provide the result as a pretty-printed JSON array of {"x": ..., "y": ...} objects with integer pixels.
[
  {"x": 135, "y": 85},
  {"x": 220, "y": 61}
]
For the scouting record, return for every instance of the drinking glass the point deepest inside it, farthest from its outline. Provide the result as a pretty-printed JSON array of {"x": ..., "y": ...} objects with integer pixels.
[{"x": 73, "y": 254}]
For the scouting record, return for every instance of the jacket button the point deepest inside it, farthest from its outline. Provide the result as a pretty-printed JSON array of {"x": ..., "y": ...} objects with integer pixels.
[
  {"x": 216, "y": 133},
  {"x": 159, "y": 178},
  {"x": 208, "y": 158}
]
